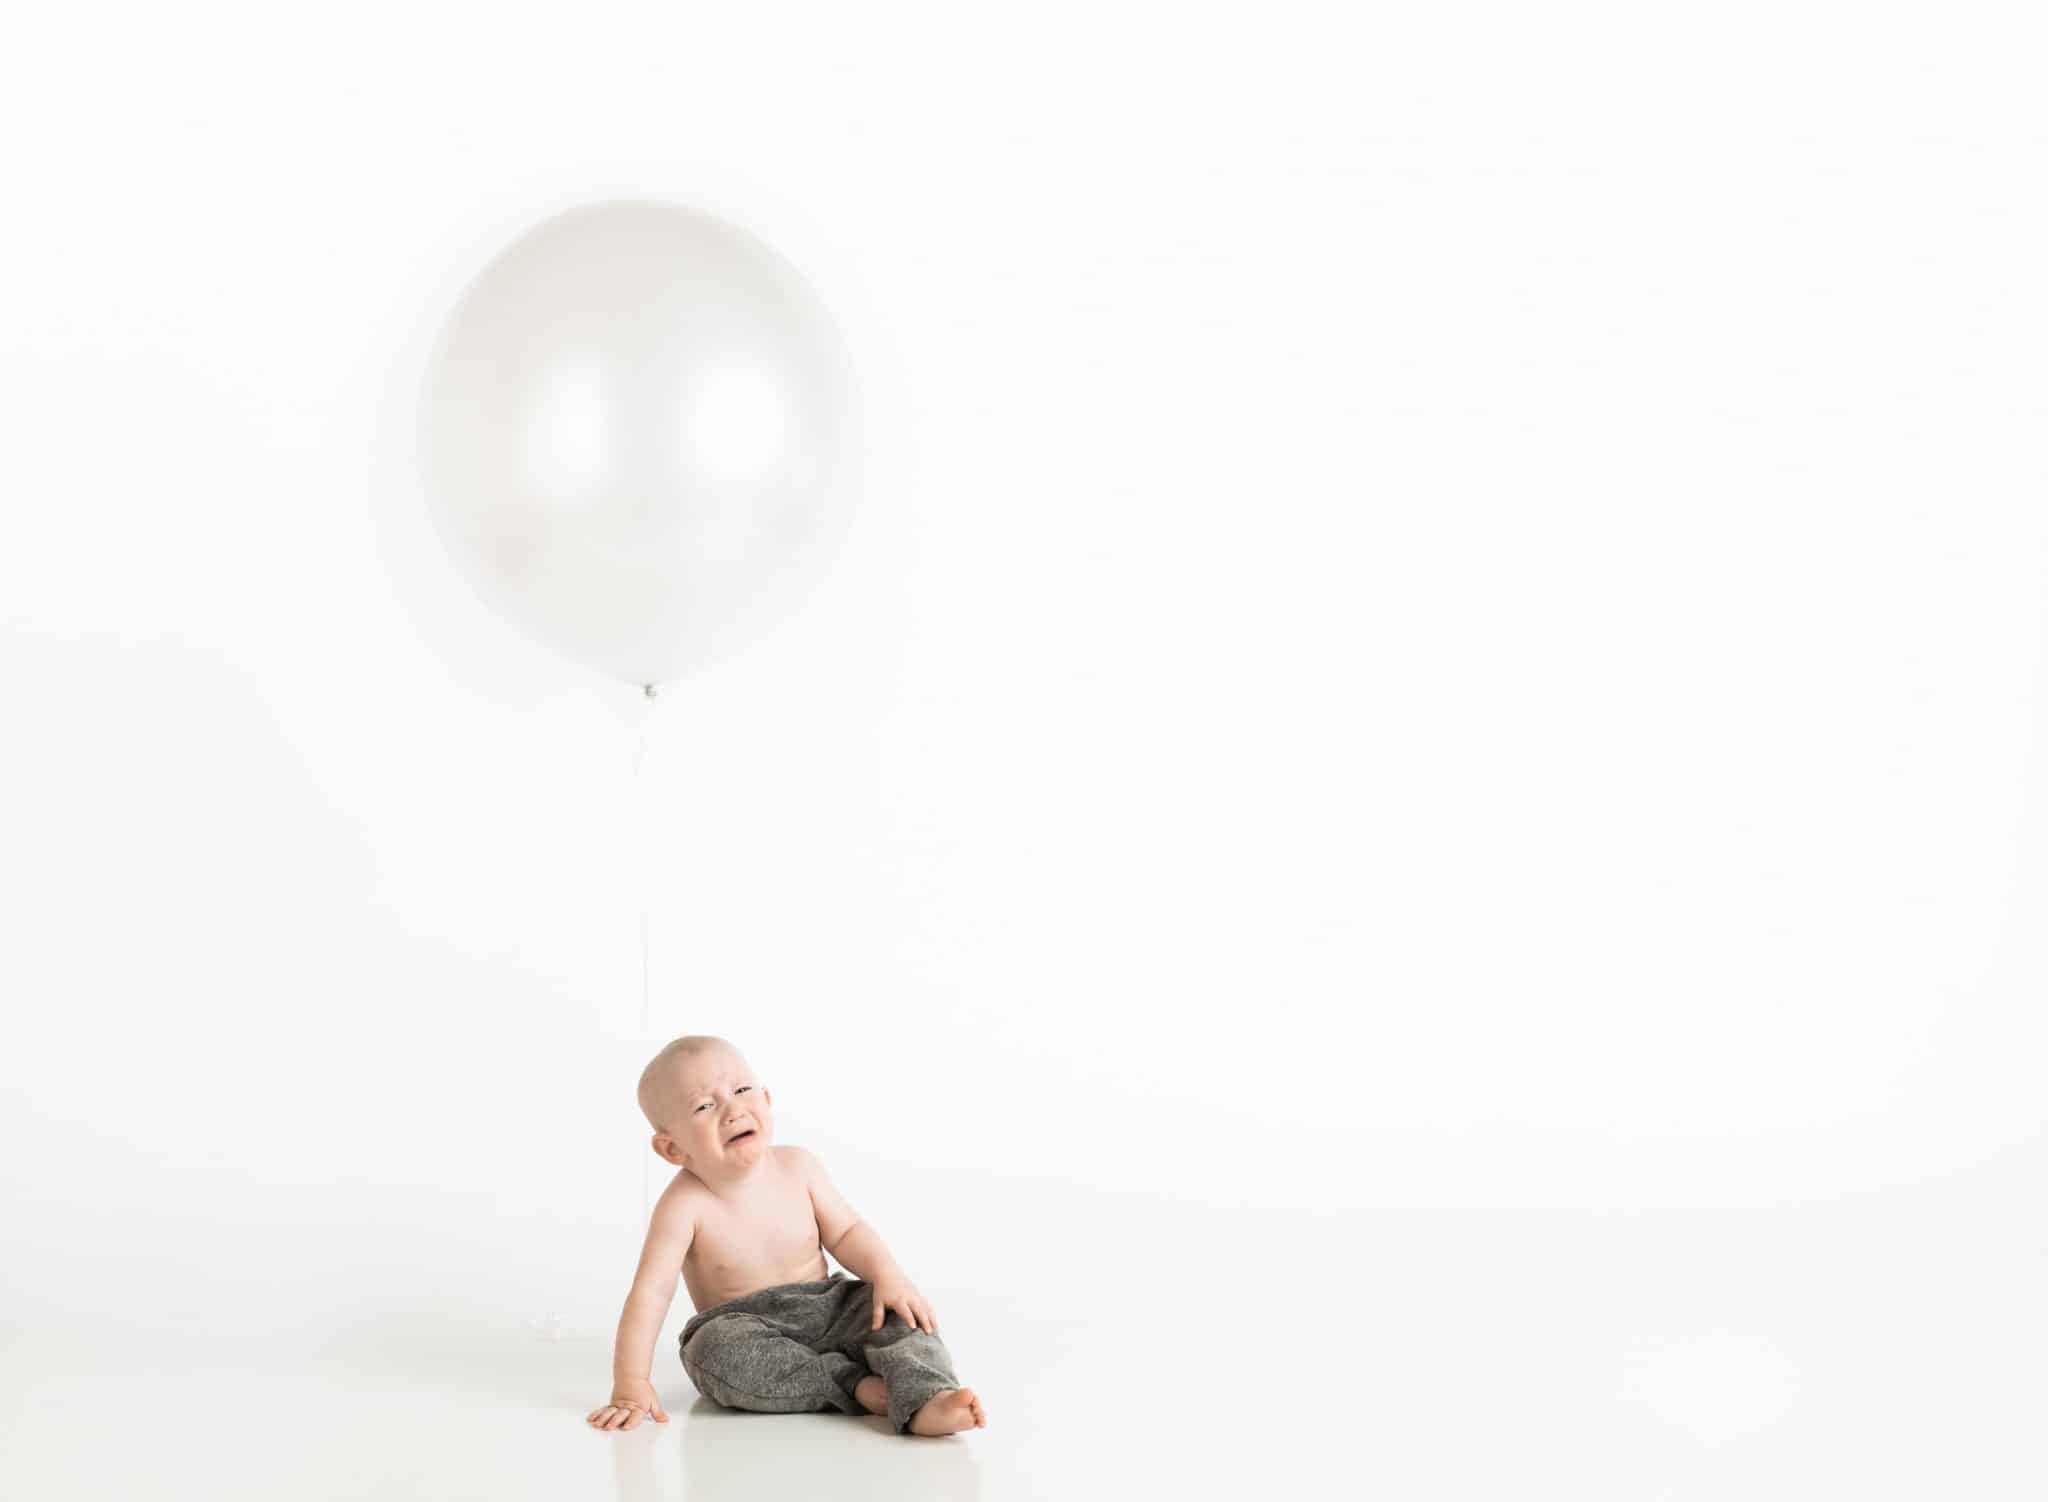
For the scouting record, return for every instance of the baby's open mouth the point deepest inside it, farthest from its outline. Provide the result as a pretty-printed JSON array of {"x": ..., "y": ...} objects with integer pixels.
[{"x": 740, "y": 1138}]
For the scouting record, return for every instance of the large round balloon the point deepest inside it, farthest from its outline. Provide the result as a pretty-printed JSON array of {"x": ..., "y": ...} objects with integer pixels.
[{"x": 641, "y": 436}]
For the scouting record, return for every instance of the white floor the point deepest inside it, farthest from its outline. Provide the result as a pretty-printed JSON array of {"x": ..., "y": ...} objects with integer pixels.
[
  {"x": 233, "y": 1421},
  {"x": 1884, "y": 1350}
]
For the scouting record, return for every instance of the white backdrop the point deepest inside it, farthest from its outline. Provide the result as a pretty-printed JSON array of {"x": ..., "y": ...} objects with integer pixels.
[{"x": 1447, "y": 615}]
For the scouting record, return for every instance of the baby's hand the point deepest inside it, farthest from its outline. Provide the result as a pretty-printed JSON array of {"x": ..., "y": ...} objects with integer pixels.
[
  {"x": 898, "y": 1293},
  {"x": 631, "y": 1402}
]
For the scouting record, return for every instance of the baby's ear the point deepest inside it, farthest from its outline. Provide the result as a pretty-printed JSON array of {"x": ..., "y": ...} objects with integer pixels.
[{"x": 666, "y": 1149}]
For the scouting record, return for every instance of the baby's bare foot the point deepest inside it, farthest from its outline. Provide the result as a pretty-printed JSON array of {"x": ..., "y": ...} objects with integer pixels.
[
  {"x": 872, "y": 1393},
  {"x": 949, "y": 1413}
]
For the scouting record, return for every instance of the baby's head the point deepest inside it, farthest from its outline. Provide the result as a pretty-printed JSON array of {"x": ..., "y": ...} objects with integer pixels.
[{"x": 709, "y": 1114}]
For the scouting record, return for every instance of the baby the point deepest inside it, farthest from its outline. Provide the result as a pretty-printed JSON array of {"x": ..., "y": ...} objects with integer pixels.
[{"x": 747, "y": 1224}]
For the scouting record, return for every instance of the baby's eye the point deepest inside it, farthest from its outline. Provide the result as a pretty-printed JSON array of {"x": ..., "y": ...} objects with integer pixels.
[
  {"x": 702, "y": 1107},
  {"x": 743, "y": 1090}
]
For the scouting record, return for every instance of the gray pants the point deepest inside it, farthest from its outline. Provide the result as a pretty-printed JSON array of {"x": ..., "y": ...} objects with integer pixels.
[{"x": 804, "y": 1347}]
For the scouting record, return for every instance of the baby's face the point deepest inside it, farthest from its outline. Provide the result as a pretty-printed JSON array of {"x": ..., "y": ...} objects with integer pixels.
[{"x": 720, "y": 1121}]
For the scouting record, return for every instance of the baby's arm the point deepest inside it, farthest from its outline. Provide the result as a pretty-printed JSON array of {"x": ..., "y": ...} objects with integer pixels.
[
  {"x": 861, "y": 1252},
  {"x": 669, "y": 1233}
]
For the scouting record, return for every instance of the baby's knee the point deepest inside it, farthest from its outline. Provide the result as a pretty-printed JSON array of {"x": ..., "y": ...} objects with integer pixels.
[
  {"x": 906, "y": 1340},
  {"x": 714, "y": 1345}
]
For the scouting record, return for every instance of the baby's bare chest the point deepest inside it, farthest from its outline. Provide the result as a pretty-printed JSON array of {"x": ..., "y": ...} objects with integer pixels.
[{"x": 767, "y": 1239}]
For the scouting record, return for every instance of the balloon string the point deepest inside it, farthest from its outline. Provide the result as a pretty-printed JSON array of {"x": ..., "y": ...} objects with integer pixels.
[
  {"x": 646, "y": 852},
  {"x": 646, "y": 880}
]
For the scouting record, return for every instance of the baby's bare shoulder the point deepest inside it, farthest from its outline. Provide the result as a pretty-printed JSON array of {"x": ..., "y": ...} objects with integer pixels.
[
  {"x": 684, "y": 1196},
  {"x": 796, "y": 1159}
]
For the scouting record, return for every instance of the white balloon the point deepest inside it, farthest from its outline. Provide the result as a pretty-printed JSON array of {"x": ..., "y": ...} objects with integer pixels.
[{"x": 641, "y": 436}]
